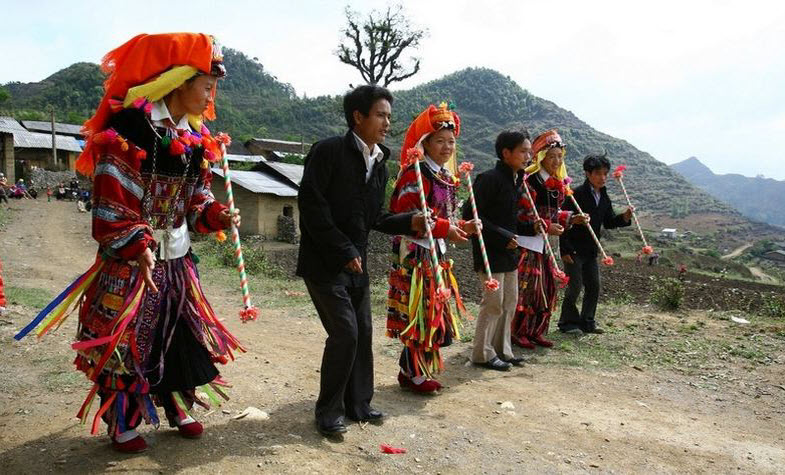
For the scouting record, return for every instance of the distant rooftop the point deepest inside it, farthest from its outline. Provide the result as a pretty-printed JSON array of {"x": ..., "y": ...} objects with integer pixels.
[
  {"x": 261, "y": 145},
  {"x": 43, "y": 126},
  {"x": 259, "y": 182},
  {"x": 26, "y": 139}
]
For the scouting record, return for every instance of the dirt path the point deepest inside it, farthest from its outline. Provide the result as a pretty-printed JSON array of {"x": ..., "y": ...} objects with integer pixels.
[
  {"x": 558, "y": 417},
  {"x": 758, "y": 272},
  {"x": 737, "y": 252}
]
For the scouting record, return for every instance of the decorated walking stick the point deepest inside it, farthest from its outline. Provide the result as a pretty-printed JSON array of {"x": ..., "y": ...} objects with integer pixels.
[
  {"x": 606, "y": 259},
  {"x": 442, "y": 293},
  {"x": 249, "y": 312},
  {"x": 490, "y": 283},
  {"x": 559, "y": 274},
  {"x": 618, "y": 174}
]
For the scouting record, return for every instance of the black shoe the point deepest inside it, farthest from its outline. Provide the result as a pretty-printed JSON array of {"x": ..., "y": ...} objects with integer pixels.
[
  {"x": 597, "y": 330},
  {"x": 515, "y": 360},
  {"x": 331, "y": 430},
  {"x": 374, "y": 417},
  {"x": 496, "y": 364}
]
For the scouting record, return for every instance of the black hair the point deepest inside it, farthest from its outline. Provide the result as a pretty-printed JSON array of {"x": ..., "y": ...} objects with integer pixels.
[
  {"x": 596, "y": 162},
  {"x": 361, "y": 99},
  {"x": 509, "y": 139}
]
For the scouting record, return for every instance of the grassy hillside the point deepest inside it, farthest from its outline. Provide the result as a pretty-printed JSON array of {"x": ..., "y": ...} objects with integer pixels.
[{"x": 252, "y": 102}]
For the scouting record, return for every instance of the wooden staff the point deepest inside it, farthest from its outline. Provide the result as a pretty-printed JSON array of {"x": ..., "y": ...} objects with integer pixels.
[
  {"x": 618, "y": 174},
  {"x": 490, "y": 283},
  {"x": 558, "y": 272},
  {"x": 606, "y": 259}
]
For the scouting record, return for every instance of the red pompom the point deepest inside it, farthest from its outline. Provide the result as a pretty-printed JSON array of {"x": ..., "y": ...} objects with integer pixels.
[
  {"x": 224, "y": 138},
  {"x": 492, "y": 285},
  {"x": 608, "y": 261},
  {"x": 563, "y": 278},
  {"x": 141, "y": 154},
  {"x": 466, "y": 167},
  {"x": 554, "y": 184},
  {"x": 176, "y": 147},
  {"x": 619, "y": 171},
  {"x": 249, "y": 313},
  {"x": 647, "y": 250}
]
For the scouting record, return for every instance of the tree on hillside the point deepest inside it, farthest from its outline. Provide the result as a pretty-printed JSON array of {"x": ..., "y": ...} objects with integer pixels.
[
  {"x": 374, "y": 45},
  {"x": 4, "y": 95}
]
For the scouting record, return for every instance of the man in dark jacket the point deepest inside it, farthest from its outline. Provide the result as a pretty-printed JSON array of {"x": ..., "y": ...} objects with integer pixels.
[
  {"x": 496, "y": 192},
  {"x": 340, "y": 201},
  {"x": 578, "y": 250}
]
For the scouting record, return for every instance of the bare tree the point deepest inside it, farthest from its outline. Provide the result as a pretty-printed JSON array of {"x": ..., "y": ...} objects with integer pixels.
[{"x": 374, "y": 46}]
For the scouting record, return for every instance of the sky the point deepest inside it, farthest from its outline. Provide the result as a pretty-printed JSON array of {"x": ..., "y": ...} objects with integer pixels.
[{"x": 702, "y": 78}]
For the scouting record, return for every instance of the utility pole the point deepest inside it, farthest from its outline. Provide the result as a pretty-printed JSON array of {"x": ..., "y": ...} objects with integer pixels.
[{"x": 54, "y": 139}]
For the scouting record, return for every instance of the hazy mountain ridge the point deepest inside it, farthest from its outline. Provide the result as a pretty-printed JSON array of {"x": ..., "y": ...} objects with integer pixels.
[{"x": 757, "y": 198}]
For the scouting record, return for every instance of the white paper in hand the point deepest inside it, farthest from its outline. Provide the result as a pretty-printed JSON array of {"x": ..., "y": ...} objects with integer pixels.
[{"x": 533, "y": 243}]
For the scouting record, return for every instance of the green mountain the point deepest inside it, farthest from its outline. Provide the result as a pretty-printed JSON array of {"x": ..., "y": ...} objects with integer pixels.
[{"x": 252, "y": 102}]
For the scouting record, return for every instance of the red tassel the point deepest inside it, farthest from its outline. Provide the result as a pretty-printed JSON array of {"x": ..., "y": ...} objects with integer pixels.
[
  {"x": 249, "y": 313},
  {"x": 176, "y": 148}
]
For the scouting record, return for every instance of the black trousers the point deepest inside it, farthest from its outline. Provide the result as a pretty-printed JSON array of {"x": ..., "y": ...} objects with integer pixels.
[
  {"x": 584, "y": 275},
  {"x": 347, "y": 364}
]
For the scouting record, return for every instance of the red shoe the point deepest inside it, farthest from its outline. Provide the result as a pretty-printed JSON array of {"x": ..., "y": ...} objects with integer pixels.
[
  {"x": 427, "y": 386},
  {"x": 523, "y": 342},
  {"x": 542, "y": 341},
  {"x": 192, "y": 430},
  {"x": 133, "y": 446}
]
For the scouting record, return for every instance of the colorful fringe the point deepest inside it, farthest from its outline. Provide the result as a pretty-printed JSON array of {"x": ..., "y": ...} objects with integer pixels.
[{"x": 421, "y": 320}]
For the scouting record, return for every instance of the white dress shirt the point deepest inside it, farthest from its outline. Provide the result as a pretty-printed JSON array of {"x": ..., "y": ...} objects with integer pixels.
[{"x": 370, "y": 156}]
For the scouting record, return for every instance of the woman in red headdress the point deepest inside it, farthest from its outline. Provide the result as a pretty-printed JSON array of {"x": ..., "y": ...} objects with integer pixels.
[
  {"x": 537, "y": 277},
  {"x": 415, "y": 314},
  {"x": 147, "y": 334}
]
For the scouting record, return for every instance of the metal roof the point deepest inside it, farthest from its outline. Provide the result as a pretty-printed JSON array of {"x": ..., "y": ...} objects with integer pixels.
[
  {"x": 10, "y": 125},
  {"x": 26, "y": 139},
  {"x": 245, "y": 158},
  {"x": 42, "y": 126},
  {"x": 290, "y": 170},
  {"x": 35, "y": 140},
  {"x": 259, "y": 182}
]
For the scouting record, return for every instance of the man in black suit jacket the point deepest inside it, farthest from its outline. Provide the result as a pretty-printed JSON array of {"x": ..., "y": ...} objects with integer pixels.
[
  {"x": 340, "y": 200},
  {"x": 578, "y": 250}
]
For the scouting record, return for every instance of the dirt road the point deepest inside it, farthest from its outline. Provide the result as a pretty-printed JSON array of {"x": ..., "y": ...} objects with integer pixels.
[
  {"x": 737, "y": 252},
  {"x": 557, "y": 416}
]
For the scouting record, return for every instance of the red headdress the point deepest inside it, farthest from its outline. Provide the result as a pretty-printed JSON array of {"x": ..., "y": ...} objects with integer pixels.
[
  {"x": 429, "y": 121},
  {"x": 138, "y": 61},
  {"x": 548, "y": 139}
]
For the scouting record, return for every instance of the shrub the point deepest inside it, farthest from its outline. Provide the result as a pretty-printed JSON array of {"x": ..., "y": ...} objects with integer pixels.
[
  {"x": 774, "y": 307},
  {"x": 668, "y": 294},
  {"x": 254, "y": 257}
]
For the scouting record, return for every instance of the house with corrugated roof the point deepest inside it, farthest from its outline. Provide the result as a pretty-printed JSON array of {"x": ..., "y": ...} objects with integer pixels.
[
  {"x": 22, "y": 149},
  {"x": 266, "y": 197}
]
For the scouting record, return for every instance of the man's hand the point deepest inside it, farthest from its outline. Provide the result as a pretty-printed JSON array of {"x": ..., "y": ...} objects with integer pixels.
[
  {"x": 513, "y": 243},
  {"x": 628, "y": 213},
  {"x": 226, "y": 219},
  {"x": 418, "y": 223},
  {"x": 355, "y": 265},
  {"x": 567, "y": 259},
  {"x": 555, "y": 229},
  {"x": 540, "y": 227},
  {"x": 146, "y": 262},
  {"x": 456, "y": 234},
  {"x": 580, "y": 219},
  {"x": 472, "y": 227}
]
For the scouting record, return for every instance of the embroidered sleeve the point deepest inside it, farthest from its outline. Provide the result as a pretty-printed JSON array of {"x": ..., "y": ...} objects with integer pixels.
[
  {"x": 406, "y": 198},
  {"x": 203, "y": 209},
  {"x": 118, "y": 224}
]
